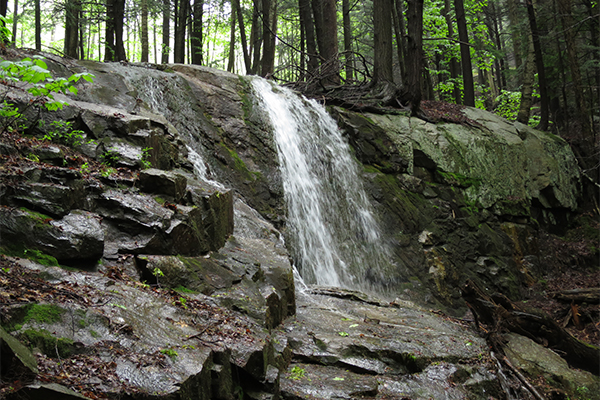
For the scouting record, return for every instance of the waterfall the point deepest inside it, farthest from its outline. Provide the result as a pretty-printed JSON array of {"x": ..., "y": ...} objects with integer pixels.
[{"x": 334, "y": 238}]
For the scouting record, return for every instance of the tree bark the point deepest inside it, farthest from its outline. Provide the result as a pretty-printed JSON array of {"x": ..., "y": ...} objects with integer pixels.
[
  {"x": 454, "y": 66},
  {"x": 305, "y": 11},
  {"x": 38, "y": 25},
  {"x": 539, "y": 63},
  {"x": 269, "y": 8},
  {"x": 164, "y": 58},
  {"x": 144, "y": 30},
  {"x": 256, "y": 37},
  {"x": 196, "y": 34},
  {"x": 331, "y": 70},
  {"x": 382, "y": 21},
  {"x": 348, "y": 56},
  {"x": 317, "y": 8},
  {"x": 414, "y": 53},
  {"x": 71, "y": 44},
  {"x": 231, "y": 58},
  {"x": 180, "y": 28},
  {"x": 465, "y": 54}
]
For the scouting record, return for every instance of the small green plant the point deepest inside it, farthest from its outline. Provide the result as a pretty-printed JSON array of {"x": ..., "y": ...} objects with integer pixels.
[
  {"x": 85, "y": 168},
  {"x": 33, "y": 157},
  {"x": 297, "y": 373},
  {"x": 157, "y": 272},
  {"x": 62, "y": 132},
  {"x": 343, "y": 334},
  {"x": 121, "y": 306},
  {"x": 110, "y": 158},
  {"x": 146, "y": 158},
  {"x": 108, "y": 172},
  {"x": 169, "y": 352}
]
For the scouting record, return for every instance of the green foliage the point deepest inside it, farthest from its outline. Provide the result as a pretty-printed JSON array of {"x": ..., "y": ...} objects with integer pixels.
[
  {"x": 30, "y": 254},
  {"x": 508, "y": 104},
  {"x": 44, "y": 313},
  {"x": 297, "y": 373},
  {"x": 32, "y": 75},
  {"x": 110, "y": 158},
  {"x": 62, "y": 132},
  {"x": 146, "y": 158},
  {"x": 169, "y": 352}
]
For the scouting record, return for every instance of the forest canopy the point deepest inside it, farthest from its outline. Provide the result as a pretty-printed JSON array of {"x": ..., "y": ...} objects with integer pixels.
[{"x": 534, "y": 62}]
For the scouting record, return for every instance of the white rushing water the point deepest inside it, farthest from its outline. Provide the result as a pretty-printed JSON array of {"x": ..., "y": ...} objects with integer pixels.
[{"x": 335, "y": 240}]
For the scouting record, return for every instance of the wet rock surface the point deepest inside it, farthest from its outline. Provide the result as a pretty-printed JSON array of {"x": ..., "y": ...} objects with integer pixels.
[{"x": 348, "y": 345}]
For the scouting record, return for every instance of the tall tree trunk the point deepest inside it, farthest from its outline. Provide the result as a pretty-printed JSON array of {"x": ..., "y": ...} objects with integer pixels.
[
  {"x": 528, "y": 78},
  {"x": 256, "y": 37},
  {"x": 594, "y": 23},
  {"x": 414, "y": 53},
  {"x": 144, "y": 30},
  {"x": 180, "y": 27},
  {"x": 196, "y": 36},
  {"x": 231, "y": 56},
  {"x": 401, "y": 40},
  {"x": 565, "y": 11},
  {"x": 317, "y": 8},
  {"x": 15, "y": 22},
  {"x": 119, "y": 21},
  {"x": 38, "y": 25},
  {"x": 465, "y": 54},
  {"x": 3, "y": 10},
  {"x": 331, "y": 71},
  {"x": 71, "y": 43},
  {"x": 382, "y": 21},
  {"x": 454, "y": 66},
  {"x": 110, "y": 50},
  {"x": 164, "y": 58},
  {"x": 242, "y": 28},
  {"x": 305, "y": 11},
  {"x": 539, "y": 63},
  {"x": 348, "y": 56},
  {"x": 269, "y": 8}
]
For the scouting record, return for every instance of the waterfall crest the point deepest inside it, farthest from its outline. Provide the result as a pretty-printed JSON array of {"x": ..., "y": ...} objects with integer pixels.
[{"x": 334, "y": 238}]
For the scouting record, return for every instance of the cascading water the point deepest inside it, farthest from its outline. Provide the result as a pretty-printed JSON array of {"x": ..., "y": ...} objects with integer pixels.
[{"x": 334, "y": 237}]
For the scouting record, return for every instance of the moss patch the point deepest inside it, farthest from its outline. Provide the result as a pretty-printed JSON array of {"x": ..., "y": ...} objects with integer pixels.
[{"x": 49, "y": 345}]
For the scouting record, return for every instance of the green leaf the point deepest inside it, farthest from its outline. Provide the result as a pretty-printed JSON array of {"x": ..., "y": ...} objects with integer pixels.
[
  {"x": 343, "y": 334},
  {"x": 338, "y": 378}
]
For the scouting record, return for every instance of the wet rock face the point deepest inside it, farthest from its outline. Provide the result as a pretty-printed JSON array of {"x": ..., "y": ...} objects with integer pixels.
[{"x": 348, "y": 346}]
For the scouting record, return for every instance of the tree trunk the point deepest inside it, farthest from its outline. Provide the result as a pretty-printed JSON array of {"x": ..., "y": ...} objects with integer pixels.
[
  {"x": 414, "y": 53},
  {"x": 454, "y": 66},
  {"x": 242, "y": 28},
  {"x": 38, "y": 25},
  {"x": 196, "y": 33},
  {"x": 180, "y": 27},
  {"x": 256, "y": 37},
  {"x": 15, "y": 22},
  {"x": 348, "y": 56},
  {"x": 311, "y": 44},
  {"x": 331, "y": 70},
  {"x": 71, "y": 44},
  {"x": 465, "y": 54},
  {"x": 110, "y": 49},
  {"x": 564, "y": 8},
  {"x": 119, "y": 21},
  {"x": 269, "y": 8},
  {"x": 539, "y": 63},
  {"x": 231, "y": 56},
  {"x": 317, "y": 8},
  {"x": 164, "y": 58},
  {"x": 144, "y": 30},
  {"x": 382, "y": 21}
]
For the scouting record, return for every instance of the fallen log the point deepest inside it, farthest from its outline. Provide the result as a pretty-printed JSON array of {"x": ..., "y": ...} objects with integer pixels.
[
  {"x": 588, "y": 295},
  {"x": 503, "y": 315}
]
